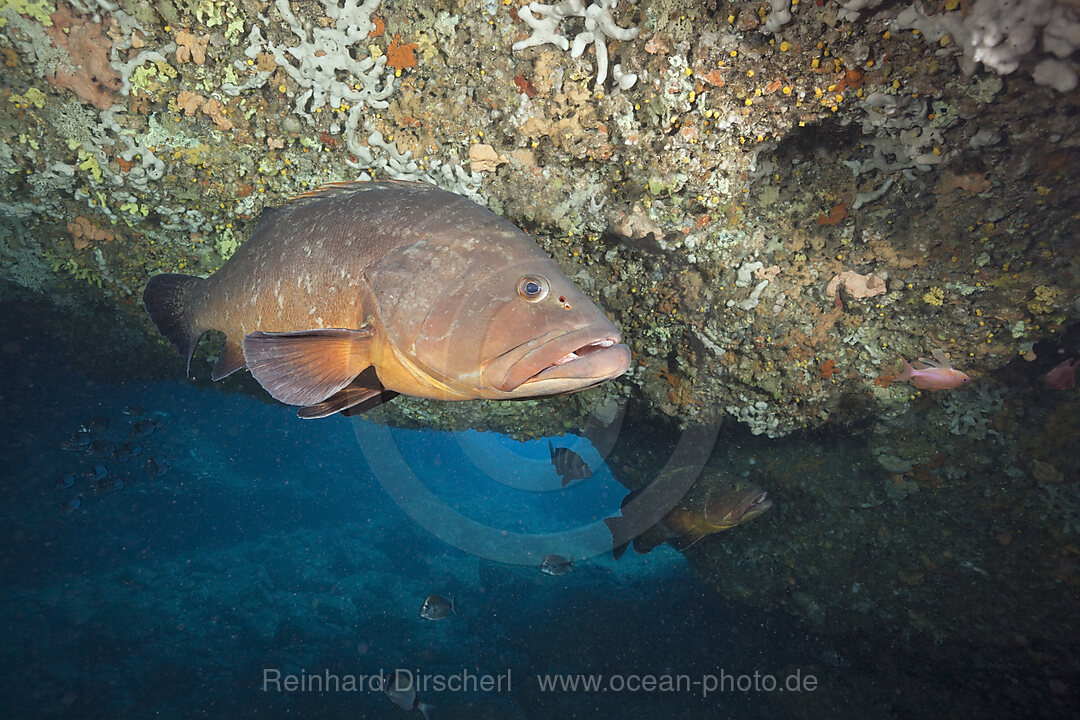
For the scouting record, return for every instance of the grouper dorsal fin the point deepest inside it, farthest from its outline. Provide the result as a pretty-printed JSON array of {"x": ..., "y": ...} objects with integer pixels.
[
  {"x": 266, "y": 217},
  {"x": 271, "y": 215},
  {"x": 350, "y": 187},
  {"x": 306, "y": 367}
]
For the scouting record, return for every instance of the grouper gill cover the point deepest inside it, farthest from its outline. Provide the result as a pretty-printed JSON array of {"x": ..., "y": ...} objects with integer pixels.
[{"x": 357, "y": 292}]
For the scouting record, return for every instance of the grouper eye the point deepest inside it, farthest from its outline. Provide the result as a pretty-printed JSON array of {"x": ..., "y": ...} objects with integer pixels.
[{"x": 533, "y": 288}]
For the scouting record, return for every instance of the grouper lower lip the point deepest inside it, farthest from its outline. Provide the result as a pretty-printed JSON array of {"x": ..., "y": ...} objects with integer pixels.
[
  {"x": 591, "y": 364},
  {"x": 759, "y": 506},
  {"x": 580, "y": 358}
]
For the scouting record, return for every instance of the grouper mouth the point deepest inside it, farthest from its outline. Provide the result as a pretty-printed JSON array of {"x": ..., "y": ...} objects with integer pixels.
[
  {"x": 727, "y": 513},
  {"x": 567, "y": 362},
  {"x": 761, "y": 500},
  {"x": 758, "y": 505}
]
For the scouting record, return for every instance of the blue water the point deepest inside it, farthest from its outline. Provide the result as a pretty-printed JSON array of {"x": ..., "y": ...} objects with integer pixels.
[{"x": 271, "y": 546}]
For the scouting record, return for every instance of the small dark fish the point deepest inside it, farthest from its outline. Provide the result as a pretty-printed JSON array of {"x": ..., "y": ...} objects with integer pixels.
[
  {"x": 399, "y": 687},
  {"x": 436, "y": 607},
  {"x": 143, "y": 428},
  {"x": 109, "y": 484},
  {"x": 69, "y": 506},
  {"x": 157, "y": 466},
  {"x": 101, "y": 449},
  {"x": 65, "y": 482},
  {"x": 127, "y": 450},
  {"x": 133, "y": 411},
  {"x": 568, "y": 464},
  {"x": 95, "y": 425},
  {"x": 556, "y": 565},
  {"x": 100, "y": 472},
  {"x": 78, "y": 442}
]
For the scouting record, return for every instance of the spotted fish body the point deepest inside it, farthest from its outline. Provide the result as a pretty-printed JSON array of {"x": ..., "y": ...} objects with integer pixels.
[{"x": 350, "y": 295}]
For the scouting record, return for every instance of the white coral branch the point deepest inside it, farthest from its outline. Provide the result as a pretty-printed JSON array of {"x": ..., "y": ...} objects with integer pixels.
[{"x": 599, "y": 26}]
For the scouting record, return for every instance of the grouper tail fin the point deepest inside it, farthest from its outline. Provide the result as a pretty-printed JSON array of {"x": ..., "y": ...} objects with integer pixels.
[{"x": 167, "y": 300}]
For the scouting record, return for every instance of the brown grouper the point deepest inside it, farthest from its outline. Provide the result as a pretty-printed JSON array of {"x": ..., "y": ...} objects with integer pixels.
[
  {"x": 716, "y": 503},
  {"x": 350, "y": 295}
]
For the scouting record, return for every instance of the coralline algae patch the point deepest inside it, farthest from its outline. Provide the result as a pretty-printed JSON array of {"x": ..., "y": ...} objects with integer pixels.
[{"x": 705, "y": 173}]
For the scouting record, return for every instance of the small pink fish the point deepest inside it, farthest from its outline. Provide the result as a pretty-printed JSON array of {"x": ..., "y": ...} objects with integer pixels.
[
  {"x": 1063, "y": 376},
  {"x": 936, "y": 374}
]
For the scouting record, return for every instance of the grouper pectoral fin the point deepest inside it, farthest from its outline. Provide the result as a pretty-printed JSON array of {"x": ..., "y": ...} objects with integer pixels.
[
  {"x": 370, "y": 402},
  {"x": 229, "y": 361},
  {"x": 362, "y": 394},
  {"x": 306, "y": 367},
  {"x": 648, "y": 540},
  {"x": 682, "y": 544}
]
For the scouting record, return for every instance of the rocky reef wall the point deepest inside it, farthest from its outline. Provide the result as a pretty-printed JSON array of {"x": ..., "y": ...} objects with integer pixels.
[{"x": 775, "y": 200}]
